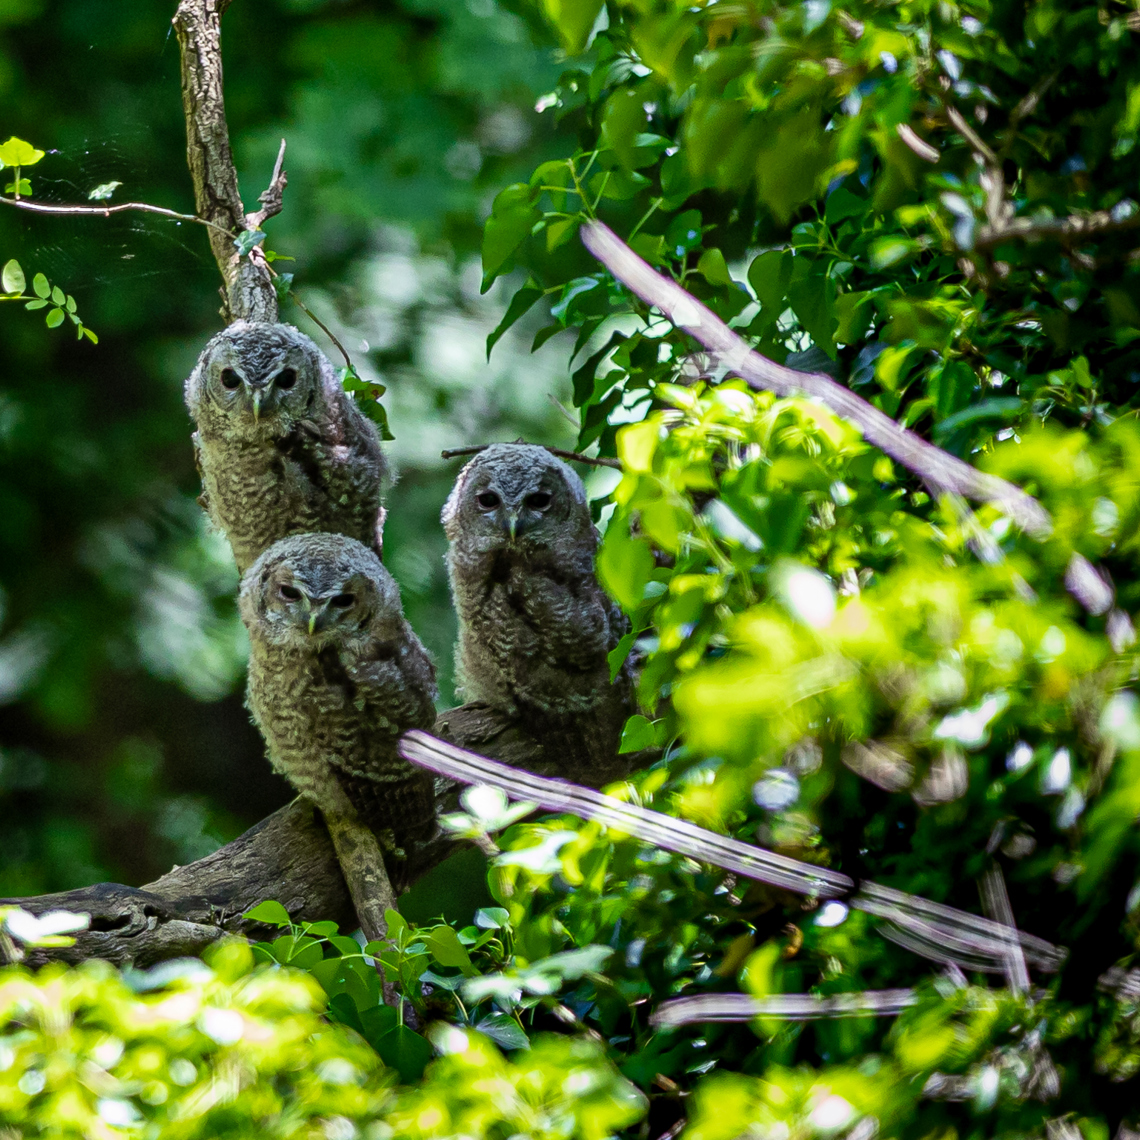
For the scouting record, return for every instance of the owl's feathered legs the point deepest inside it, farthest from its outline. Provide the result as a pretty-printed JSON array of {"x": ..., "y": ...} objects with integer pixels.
[{"x": 360, "y": 858}]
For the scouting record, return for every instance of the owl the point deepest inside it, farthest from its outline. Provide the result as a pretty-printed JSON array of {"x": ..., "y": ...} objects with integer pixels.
[
  {"x": 281, "y": 448},
  {"x": 535, "y": 627},
  {"x": 335, "y": 676}
]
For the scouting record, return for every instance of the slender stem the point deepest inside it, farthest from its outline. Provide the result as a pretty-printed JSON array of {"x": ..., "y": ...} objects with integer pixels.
[
  {"x": 577, "y": 457},
  {"x": 107, "y": 211},
  {"x": 324, "y": 328}
]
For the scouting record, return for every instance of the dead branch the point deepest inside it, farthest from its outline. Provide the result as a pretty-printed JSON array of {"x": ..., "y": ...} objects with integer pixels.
[
  {"x": 703, "y": 1008},
  {"x": 924, "y": 459},
  {"x": 248, "y": 291}
]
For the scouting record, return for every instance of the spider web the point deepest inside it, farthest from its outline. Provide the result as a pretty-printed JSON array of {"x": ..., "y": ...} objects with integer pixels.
[{"x": 82, "y": 252}]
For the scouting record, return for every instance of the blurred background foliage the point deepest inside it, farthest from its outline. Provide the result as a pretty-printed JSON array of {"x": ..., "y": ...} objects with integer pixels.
[{"x": 124, "y": 746}]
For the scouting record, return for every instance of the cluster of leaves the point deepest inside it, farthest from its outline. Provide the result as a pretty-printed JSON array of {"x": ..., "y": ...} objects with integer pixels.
[
  {"x": 234, "y": 1047},
  {"x": 60, "y": 306},
  {"x": 930, "y": 202}
]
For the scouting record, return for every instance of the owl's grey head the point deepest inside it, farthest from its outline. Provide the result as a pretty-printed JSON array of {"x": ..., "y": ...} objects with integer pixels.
[
  {"x": 312, "y": 590},
  {"x": 256, "y": 378},
  {"x": 516, "y": 495}
]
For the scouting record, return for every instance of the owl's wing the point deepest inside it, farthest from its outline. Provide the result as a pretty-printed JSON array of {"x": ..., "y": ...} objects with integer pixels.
[
  {"x": 572, "y": 617},
  {"x": 396, "y": 682},
  {"x": 204, "y": 497}
]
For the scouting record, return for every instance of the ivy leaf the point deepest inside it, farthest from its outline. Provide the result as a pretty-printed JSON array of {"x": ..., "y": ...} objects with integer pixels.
[
  {"x": 247, "y": 241},
  {"x": 504, "y": 1031},
  {"x": 405, "y": 1051},
  {"x": 103, "y": 191}
]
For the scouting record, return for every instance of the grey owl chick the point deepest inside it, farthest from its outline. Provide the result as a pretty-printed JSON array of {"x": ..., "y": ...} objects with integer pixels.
[
  {"x": 336, "y": 674},
  {"x": 535, "y": 626},
  {"x": 282, "y": 449}
]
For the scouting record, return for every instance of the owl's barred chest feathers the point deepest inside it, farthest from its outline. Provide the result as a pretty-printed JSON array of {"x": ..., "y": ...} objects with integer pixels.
[
  {"x": 260, "y": 491},
  {"x": 318, "y": 708}
]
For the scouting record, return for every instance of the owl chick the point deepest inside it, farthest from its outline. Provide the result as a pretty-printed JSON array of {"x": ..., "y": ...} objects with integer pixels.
[
  {"x": 534, "y": 624},
  {"x": 282, "y": 449},
  {"x": 335, "y": 676}
]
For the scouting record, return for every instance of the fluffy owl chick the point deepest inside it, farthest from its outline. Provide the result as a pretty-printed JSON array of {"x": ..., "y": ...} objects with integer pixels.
[
  {"x": 534, "y": 624},
  {"x": 282, "y": 449},
  {"x": 335, "y": 676}
]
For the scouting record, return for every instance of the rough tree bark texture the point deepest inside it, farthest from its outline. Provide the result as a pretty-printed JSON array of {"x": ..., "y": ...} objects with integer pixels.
[{"x": 248, "y": 292}]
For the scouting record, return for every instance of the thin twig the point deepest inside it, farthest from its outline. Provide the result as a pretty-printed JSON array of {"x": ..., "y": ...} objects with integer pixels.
[
  {"x": 977, "y": 144},
  {"x": 577, "y": 457},
  {"x": 1075, "y": 227},
  {"x": 107, "y": 211},
  {"x": 995, "y": 902},
  {"x": 930, "y": 462},
  {"x": 324, "y": 328}
]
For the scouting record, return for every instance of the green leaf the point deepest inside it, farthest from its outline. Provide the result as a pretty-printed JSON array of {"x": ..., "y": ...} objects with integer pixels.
[
  {"x": 58, "y": 296},
  {"x": 22, "y": 186},
  {"x": 770, "y": 274},
  {"x": 637, "y": 734},
  {"x": 90, "y": 335},
  {"x": 54, "y": 318},
  {"x": 616, "y": 657},
  {"x": 624, "y": 565},
  {"x": 504, "y": 1031},
  {"x": 16, "y": 152},
  {"x": 713, "y": 269},
  {"x": 247, "y": 241},
  {"x": 103, "y": 191},
  {"x": 573, "y": 20},
  {"x": 513, "y": 216},
  {"x": 492, "y": 917},
  {"x": 888, "y": 251},
  {"x": 521, "y": 302},
  {"x": 270, "y": 912},
  {"x": 40, "y": 286},
  {"x": 622, "y": 122},
  {"x": 444, "y": 946},
  {"x": 812, "y": 297},
  {"x": 71, "y": 304},
  {"x": 12, "y": 277},
  {"x": 405, "y": 1051},
  {"x": 37, "y": 304}
]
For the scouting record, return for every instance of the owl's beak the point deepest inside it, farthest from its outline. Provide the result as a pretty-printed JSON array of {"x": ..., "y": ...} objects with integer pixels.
[
  {"x": 257, "y": 393},
  {"x": 313, "y": 619},
  {"x": 512, "y": 524}
]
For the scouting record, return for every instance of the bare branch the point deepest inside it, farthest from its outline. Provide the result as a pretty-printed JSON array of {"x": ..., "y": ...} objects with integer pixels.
[
  {"x": 977, "y": 144},
  {"x": 995, "y": 901},
  {"x": 930, "y": 462},
  {"x": 919, "y": 145},
  {"x": 248, "y": 289},
  {"x": 704, "y": 1008},
  {"x": 577, "y": 457},
  {"x": 272, "y": 198},
  {"x": 933, "y": 930},
  {"x": 104, "y": 211}
]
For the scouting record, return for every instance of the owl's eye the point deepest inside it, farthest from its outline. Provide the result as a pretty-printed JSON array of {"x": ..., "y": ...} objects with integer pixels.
[
  {"x": 342, "y": 601},
  {"x": 230, "y": 379},
  {"x": 290, "y": 593},
  {"x": 488, "y": 500},
  {"x": 538, "y": 501},
  {"x": 286, "y": 378}
]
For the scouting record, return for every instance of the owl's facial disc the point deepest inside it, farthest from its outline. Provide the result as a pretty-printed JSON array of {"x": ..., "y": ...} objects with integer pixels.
[
  {"x": 259, "y": 393},
  {"x": 320, "y": 608},
  {"x": 514, "y": 511}
]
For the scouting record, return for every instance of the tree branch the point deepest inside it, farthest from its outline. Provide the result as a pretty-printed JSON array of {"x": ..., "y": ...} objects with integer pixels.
[
  {"x": 104, "y": 211},
  {"x": 248, "y": 291},
  {"x": 288, "y": 857},
  {"x": 913, "y": 452}
]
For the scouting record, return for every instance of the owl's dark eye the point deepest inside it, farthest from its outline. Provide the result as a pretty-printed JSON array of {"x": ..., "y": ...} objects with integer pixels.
[
  {"x": 538, "y": 501},
  {"x": 230, "y": 379},
  {"x": 488, "y": 500},
  {"x": 342, "y": 601},
  {"x": 286, "y": 378},
  {"x": 290, "y": 593}
]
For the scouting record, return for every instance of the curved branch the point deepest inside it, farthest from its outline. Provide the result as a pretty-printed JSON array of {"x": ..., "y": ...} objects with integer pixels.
[
  {"x": 912, "y": 451},
  {"x": 105, "y": 211}
]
